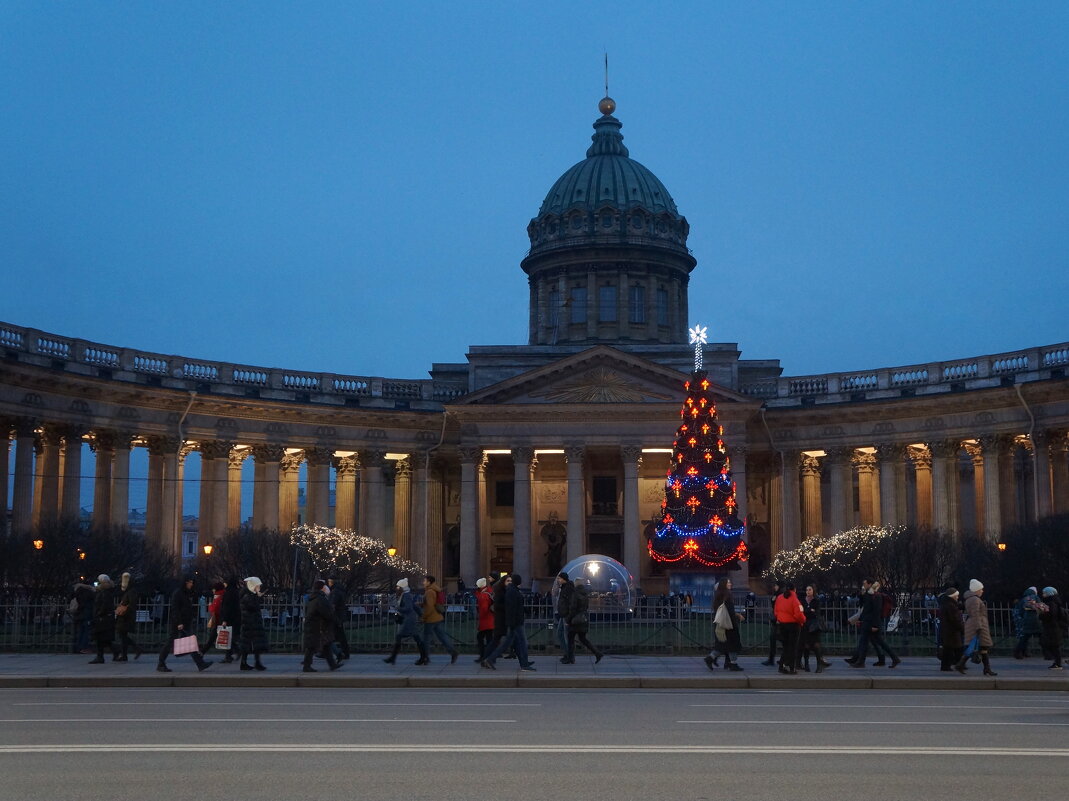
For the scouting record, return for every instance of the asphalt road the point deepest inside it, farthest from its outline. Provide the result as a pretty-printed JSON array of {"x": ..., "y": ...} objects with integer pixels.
[{"x": 296, "y": 743}]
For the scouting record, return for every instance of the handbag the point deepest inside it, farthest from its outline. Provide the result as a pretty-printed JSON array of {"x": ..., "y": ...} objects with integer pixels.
[
  {"x": 120, "y": 610},
  {"x": 723, "y": 618},
  {"x": 186, "y": 645},
  {"x": 223, "y": 636}
]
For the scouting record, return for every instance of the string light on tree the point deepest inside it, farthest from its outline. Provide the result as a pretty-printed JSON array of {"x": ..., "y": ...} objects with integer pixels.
[
  {"x": 816, "y": 555},
  {"x": 333, "y": 549},
  {"x": 698, "y": 522}
]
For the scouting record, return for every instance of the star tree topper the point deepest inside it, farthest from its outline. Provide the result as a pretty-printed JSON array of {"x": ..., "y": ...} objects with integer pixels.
[{"x": 698, "y": 338}]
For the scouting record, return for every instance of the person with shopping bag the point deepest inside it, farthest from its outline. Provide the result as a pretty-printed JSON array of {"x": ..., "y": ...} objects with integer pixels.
[
  {"x": 181, "y": 631},
  {"x": 214, "y": 612}
]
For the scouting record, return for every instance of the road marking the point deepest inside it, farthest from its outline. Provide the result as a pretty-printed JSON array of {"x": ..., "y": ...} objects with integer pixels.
[
  {"x": 121, "y": 750},
  {"x": 251, "y": 703},
  {"x": 867, "y": 723},
  {"x": 831, "y": 706},
  {"x": 251, "y": 720}
]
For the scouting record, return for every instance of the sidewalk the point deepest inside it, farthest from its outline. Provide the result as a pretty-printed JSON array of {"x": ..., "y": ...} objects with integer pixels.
[{"x": 645, "y": 672}]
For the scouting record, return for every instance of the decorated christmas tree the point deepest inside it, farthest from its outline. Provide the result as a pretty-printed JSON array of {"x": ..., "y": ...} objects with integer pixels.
[{"x": 698, "y": 525}]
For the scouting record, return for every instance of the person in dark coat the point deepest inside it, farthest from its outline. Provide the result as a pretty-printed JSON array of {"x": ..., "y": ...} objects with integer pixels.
[
  {"x": 341, "y": 614},
  {"x": 253, "y": 635},
  {"x": 230, "y": 614},
  {"x": 812, "y": 631},
  {"x": 319, "y": 626},
  {"x": 407, "y": 620},
  {"x": 127, "y": 618},
  {"x": 1053, "y": 620},
  {"x": 951, "y": 629},
  {"x": 727, "y": 641},
  {"x": 565, "y": 595},
  {"x": 82, "y": 616},
  {"x": 104, "y": 619},
  {"x": 515, "y": 636},
  {"x": 579, "y": 624},
  {"x": 773, "y": 627},
  {"x": 180, "y": 622}
]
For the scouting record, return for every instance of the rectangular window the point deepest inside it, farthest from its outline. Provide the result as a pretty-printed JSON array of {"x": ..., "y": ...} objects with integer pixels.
[
  {"x": 504, "y": 493},
  {"x": 603, "y": 495},
  {"x": 607, "y": 304},
  {"x": 578, "y": 301},
  {"x": 637, "y": 304},
  {"x": 662, "y": 307}
]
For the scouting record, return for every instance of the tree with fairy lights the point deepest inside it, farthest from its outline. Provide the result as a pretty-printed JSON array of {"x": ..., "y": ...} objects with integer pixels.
[{"x": 698, "y": 525}]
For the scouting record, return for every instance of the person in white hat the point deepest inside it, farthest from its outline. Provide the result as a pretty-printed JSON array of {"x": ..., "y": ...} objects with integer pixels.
[
  {"x": 484, "y": 620},
  {"x": 407, "y": 618},
  {"x": 977, "y": 629},
  {"x": 253, "y": 634}
]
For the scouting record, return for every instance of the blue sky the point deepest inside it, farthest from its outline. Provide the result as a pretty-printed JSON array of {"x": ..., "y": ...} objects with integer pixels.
[{"x": 345, "y": 187}]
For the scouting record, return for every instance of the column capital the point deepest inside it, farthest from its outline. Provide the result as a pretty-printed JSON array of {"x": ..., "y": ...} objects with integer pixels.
[
  {"x": 890, "y": 451},
  {"x": 159, "y": 445},
  {"x": 318, "y": 456},
  {"x": 403, "y": 469},
  {"x": 863, "y": 461},
  {"x": 1040, "y": 438},
  {"x": 419, "y": 460},
  {"x": 920, "y": 457},
  {"x": 810, "y": 465},
  {"x": 291, "y": 462},
  {"x": 631, "y": 454},
  {"x": 838, "y": 455},
  {"x": 470, "y": 455},
  {"x": 103, "y": 441},
  {"x": 1059, "y": 442},
  {"x": 74, "y": 432},
  {"x": 373, "y": 458},
  {"x": 347, "y": 466},
  {"x": 574, "y": 454},
  {"x": 268, "y": 453},
  {"x": 25, "y": 426},
  {"x": 215, "y": 449},
  {"x": 52, "y": 434},
  {"x": 523, "y": 455},
  {"x": 944, "y": 448},
  {"x": 238, "y": 456},
  {"x": 973, "y": 449}
]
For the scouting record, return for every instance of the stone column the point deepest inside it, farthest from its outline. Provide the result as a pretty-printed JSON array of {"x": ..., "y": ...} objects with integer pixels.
[
  {"x": 204, "y": 509},
  {"x": 317, "y": 497},
  {"x": 1041, "y": 457},
  {"x": 992, "y": 514},
  {"x": 632, "y": 459},
  {"x": 1059, "y": 469},
  {"x": 892, "y": 500},
  {"x": 345, "y": 497},
  {"x": 161, "y": 524},
  {"x": 417, "y": 538},
  {"x": 976, "y": 462},
  {"x": 72, "y": 472},
  {"x": 791, "y": 533},
  {"x": 233, "y": 487},
  {"x": 1007, "y": 480},
  {"x": 814, "y": 517},
  {"x": 523, "y": 464},
  {"x": 103, "y": 445},
  {"x": 484, "y": 528},
  {"x": 372, "y": 463},
  {"x": 289, "y": 485},
  {"x": 265, "y": 493},
  {"x": 926, "y": 498},
  {"x": 868, "y": 503},
  {"x": 945, "y": 483},
  {"x": 154, "y": 500},
  {"x": 22, "y": 491},
  {"x": 38, "y": 478},
  {"x": 470, "y": 459},
  {"x": 120, "y": 479},
  {"x": 402, "y": 508},
  {"x": 214, "y": 489},
  {"x": 436, "y": 473},
  {"x": 48, "y": 505},
  {"x": 841, "y": 489},
  {"x": 576, "y": 547}
]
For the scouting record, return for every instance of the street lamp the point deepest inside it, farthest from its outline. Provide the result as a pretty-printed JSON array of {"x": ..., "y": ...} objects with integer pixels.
[
  {"x": 208, "y": 547},
  {"x": 391, "y": 551},
  {"x": 38, "y": 544},
  {"x": 1001, "y": 546},
  {"x": 81, "y": 554}
]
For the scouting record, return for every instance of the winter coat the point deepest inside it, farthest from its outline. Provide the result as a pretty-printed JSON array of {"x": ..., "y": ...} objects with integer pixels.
[
  {"x": 787, "y": 609},
  {"x": 430, "y": 599},
  {"x": 564, "y": 600},
  {"x": 1025, "y": 615},
  {"x": 1053, "y": 622},
  {"x": 514, "y": 613},
  {"x": 579, "y": 609},
  {"x": 871, "y": 610},
  {"x": 732, "y": 642},
  {"x": 484, "y": 601},
  {"x": 104, "y": 613},
  {"x": 951, "y": 626},
  {"x": 124, "y": 623},
  {"x": 86, "y": 596},
  {"x": 814, "y": 621},
  {"x": 976, "y": 624},
  {"x": 409, "y": 616},
  {"x": 230, "y": 606},
  {"x": 318, "y": 621},
  {"x": 499, "y": 607},
  {"x": 181, "y": 613},
  {"x": 214, "y": 607},
  {"x": 253, "y": 637},
  {"x": 338, "y": 603}
]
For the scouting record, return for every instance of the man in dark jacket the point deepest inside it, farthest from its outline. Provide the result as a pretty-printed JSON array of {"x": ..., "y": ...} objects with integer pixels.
[
  {"x": 341, "y": 614},
  {"x": 319, "y": 627},
  {"x": 230, "y": 614},
  {"x": 870, "y": 628},
  {"x": 515, "y": 636},
  {"x": 181, "y": 625},
  {"x": 564, "y": 611}
]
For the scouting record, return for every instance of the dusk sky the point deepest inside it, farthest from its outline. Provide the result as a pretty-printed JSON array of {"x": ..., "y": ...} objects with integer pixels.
[{"x": 345, "y": 187}]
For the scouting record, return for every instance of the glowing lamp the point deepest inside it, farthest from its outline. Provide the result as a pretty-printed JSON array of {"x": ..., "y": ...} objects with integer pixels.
[
  {"x": 208, "y": 548},
  {"x": 38, "y": 544}
]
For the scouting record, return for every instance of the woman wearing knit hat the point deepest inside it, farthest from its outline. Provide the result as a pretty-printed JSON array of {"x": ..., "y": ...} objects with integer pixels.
[
  {"x": 976, "y": 627},
  {"x": 1053, "y": 619},
  {"x": 407, "y": 618},
  {"x": 253, "y": 635}
]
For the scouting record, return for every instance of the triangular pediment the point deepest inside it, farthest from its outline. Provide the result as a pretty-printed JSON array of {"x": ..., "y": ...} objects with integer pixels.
[{"x": 600, "y": 375}]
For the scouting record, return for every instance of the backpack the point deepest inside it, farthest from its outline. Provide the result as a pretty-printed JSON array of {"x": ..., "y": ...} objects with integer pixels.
[{"x": 439, "y": 604}]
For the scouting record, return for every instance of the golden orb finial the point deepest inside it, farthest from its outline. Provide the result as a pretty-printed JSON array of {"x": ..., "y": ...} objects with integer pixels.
[{"x": 607, "y": 105}]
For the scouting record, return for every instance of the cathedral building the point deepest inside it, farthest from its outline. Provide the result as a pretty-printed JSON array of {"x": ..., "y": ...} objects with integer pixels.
[{"x": 525, "y": 456}]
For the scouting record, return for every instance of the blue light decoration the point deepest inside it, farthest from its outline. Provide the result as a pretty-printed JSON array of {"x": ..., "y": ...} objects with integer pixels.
[{"x": 699, "y": 525}]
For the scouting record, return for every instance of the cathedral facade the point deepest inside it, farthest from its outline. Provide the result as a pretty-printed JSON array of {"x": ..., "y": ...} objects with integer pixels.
[{"x": 523, "y": 457}]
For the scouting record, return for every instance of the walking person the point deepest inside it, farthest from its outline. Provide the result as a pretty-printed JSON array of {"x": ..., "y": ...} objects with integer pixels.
[
  {"x": 407, "y": 618},
  {"x": 773, "y": 628},
  {"x": 727, "y": 640},
  {"x": 976, "y": 628},
  {"x": 812, "y": 631},
  {"x": 951, "y": 629},
  {"x": 790, "y": 618},
  {"x": 484, "y": 617},
  {"x": 126, "y": 618},
  {"x": 319, "y": 627},
  {"x": 578, "y": 624},
  {"x": 515, "y": 636},
  {"x": 1053, "y": 620},
  {"x": 1026, "y": 622},
  {"x": 253, "y": 634},
  {"x": 433, "y": 618},
  {"x": 339, "y": 603},
  {"x": 104, "y": 619},
  {"x": 230, "y": 614},
  {"x": 214, "y": 618},
  {"x": 565, "y": 596},
  {"x": 180, "y": 624},
  {"x": 81, "y": 611}
]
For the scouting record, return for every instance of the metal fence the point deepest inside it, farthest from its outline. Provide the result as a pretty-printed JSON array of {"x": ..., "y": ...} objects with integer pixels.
[{"x": 653, "y": 628}]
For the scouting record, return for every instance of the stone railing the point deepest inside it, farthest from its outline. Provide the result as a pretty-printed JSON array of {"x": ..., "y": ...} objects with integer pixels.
[
  {"x": 178, "y": 372},
  {"x": 1000, "y": 369}
]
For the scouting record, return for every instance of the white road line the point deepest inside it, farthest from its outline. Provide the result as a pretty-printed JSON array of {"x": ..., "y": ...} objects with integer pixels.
[
  {"x": 833, "y": 706},
  {"x": 122, "y": 750},
  {"x": 251, "y": 720},
  {"x": 866, "y": 723},
  {"x": 253, "y": 703}
]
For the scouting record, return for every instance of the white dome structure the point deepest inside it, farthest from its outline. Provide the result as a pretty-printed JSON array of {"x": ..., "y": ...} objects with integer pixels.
[{"x": 612, "y": 587}]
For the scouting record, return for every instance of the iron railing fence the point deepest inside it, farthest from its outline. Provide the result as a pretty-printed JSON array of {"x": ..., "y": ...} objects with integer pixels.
[{"x": 653, "y": 628}]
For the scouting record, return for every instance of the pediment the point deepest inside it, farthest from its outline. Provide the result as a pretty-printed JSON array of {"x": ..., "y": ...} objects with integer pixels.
[{"x": 600, "y": 375}]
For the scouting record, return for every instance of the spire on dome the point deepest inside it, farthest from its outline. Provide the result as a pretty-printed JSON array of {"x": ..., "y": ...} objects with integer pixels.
[{"x": 607, "y": 139}]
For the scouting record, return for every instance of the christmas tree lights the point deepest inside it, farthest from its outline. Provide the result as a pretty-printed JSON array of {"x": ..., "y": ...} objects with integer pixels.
[
  {"x": 333, "y": 549},
  {"x": 698, "y": 521}
]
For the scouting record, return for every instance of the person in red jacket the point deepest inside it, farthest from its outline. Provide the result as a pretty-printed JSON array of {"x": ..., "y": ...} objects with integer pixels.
[
  {"x": 484, "y": 599},
  {"x": 790, "y": 617},
  {"x": 214, "y": 607}
]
